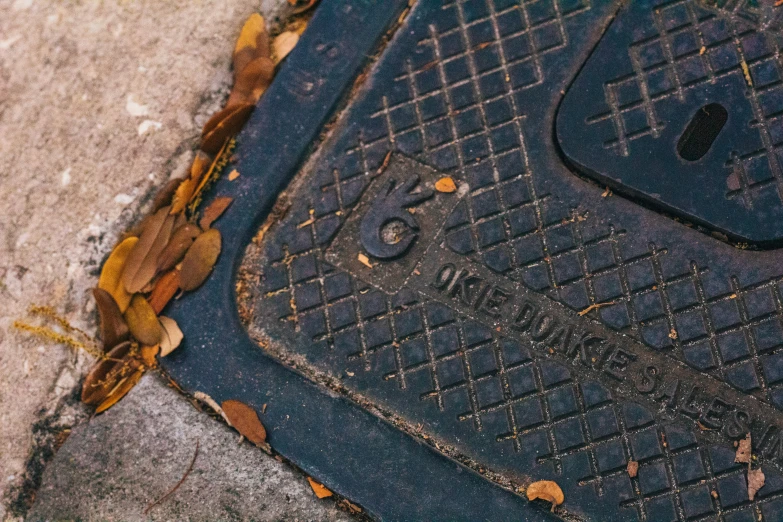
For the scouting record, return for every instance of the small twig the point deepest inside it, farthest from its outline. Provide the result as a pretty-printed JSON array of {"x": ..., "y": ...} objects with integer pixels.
[
  {"x": 595, "y": 306},
  {"x": 172, "y": 490},
  {"x": 209, "y": 401}
]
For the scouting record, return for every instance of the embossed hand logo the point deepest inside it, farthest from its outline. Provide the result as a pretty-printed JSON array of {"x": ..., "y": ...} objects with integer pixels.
[{"x": 380, "y": 238}]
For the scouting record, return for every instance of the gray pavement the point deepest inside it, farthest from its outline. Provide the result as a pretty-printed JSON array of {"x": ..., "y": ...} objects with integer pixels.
[
  {"x": 113, "y": 467},
  {"x": 101, "y": 102}
]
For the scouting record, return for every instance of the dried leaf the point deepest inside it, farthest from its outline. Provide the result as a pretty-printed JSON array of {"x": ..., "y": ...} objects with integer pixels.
[
  {"x": 245, "y": 420},
  {"x": 546, "y": 490},
  {"x": 252, "y": 43},
  {"x": 141, "y": 264},
  {"x": 756, "y": 481},
  {"x": 143, "y": 321},
  {"x": 148, "y": 354},
  {"x": 744, "y": 450},
  {"x": 283, "y": 44},
  {"x": 225, "y": 124},
  {"x": 363, "y": 259},
  {"x": 122, "y": 388},
  {"x": 234, "y": 174},
  {"x": 165, "y": 194},
  {"x": 251, "y": 82},
  {"x": 111, "y": 274},
  {"x": 632, "y": 468},
  {"x": 214, "y": 211},
  {"x": 179, "y": 243},
  {"x": 199, "y": 260},
  {"x": 300, "y": 6},
  {"x": 165, "y": 288},
  {"x": 445, "y": 184},
  {"x": 182, "y": 195},
  {"x": 113, "y": 327},
  {"x": 103, "y": 377},
  {"x": 172, "y": 335},
  {"x": 319, "y": 489}
]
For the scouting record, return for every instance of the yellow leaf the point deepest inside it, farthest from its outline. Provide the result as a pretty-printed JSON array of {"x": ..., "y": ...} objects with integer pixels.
[
  {"x": 172, "y": 335},
  {"x": 319, "y": 489},
  {"x": 143, "y": 321},
  {"x": 245, "y": 420},
  {"x": 148, "y": 354},
  {"x": 445, "y": 184},
  {"x": 546, "y": 490},
  {"x": 111, "y": 273},
  {"x": 363, "y": 259},
  {"x": 248, "y": 36}
]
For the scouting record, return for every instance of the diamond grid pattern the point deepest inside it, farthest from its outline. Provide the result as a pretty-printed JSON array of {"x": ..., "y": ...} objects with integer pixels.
[
  {"x": 695, "y": 47},
  {"x": 499, "y": 386}
]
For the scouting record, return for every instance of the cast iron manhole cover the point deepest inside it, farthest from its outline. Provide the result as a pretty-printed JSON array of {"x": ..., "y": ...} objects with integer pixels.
[{"x": 427, "y": 352}]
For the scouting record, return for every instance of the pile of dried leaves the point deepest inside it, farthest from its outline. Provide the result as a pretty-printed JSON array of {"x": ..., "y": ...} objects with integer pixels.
[{"x": 174, "y": 248}]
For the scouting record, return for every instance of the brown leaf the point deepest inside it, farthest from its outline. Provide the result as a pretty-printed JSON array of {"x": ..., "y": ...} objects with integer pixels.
[
  {"x": 319, "y": 489},
  {"x": 300, "y": 6},
  {"x": 445, "y": 184},
  {"x": 225, "y": 124},
  {"x": 113, "y": 327},
  {"x": 283, "y": 44},
  {"x": 756, "y": 481},
  {"x": 165, "y": 194},
  {"x": 245, "y": 420},
  {"x": 214, "y": 211},
  {"x": 546, "y": 490},
  {"x": 141, "y": 264},
  {"x": 744, "y": 450},
  {"x": 119, "y": 391},
  {"x": 172, "y": 335},
  {"x": 200, "y": 259},
  {"x": 632, "y": 468},
  {"x": 179, "y": 243},
  {"x": 106, "y": 373},
  {"x": 143, "y": 321},
  {"x": 251, "y": 82},
  {"x": 165, "y": 288},
  {"x": 111, "y": 274}
]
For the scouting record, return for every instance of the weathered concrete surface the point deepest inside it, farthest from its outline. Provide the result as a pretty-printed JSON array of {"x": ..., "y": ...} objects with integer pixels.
[
  {"x": 100, "y": 103},
  {"x": 119, "y": 463}
]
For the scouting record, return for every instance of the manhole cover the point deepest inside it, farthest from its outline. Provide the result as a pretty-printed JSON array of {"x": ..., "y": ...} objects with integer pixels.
[{"x": 446, "y": 301}]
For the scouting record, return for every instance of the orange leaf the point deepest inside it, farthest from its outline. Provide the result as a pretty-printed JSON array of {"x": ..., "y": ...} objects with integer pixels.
[
  {"x": 164, "y": 289},
  {"x": 113, "y": 327},
  {"x": 546, "y": 490},
  {"x": 445, "y": 184},
  {"x": 245, "y": 420},
  {"x": 200, "y": 259},
  {"x": 111, "y": 274},
  {"x": 214, "y": 211},
  {"x": 148, "y": 354},
  {"x": 320, "y": 490},
  {"x": 253, "y": 42}
]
